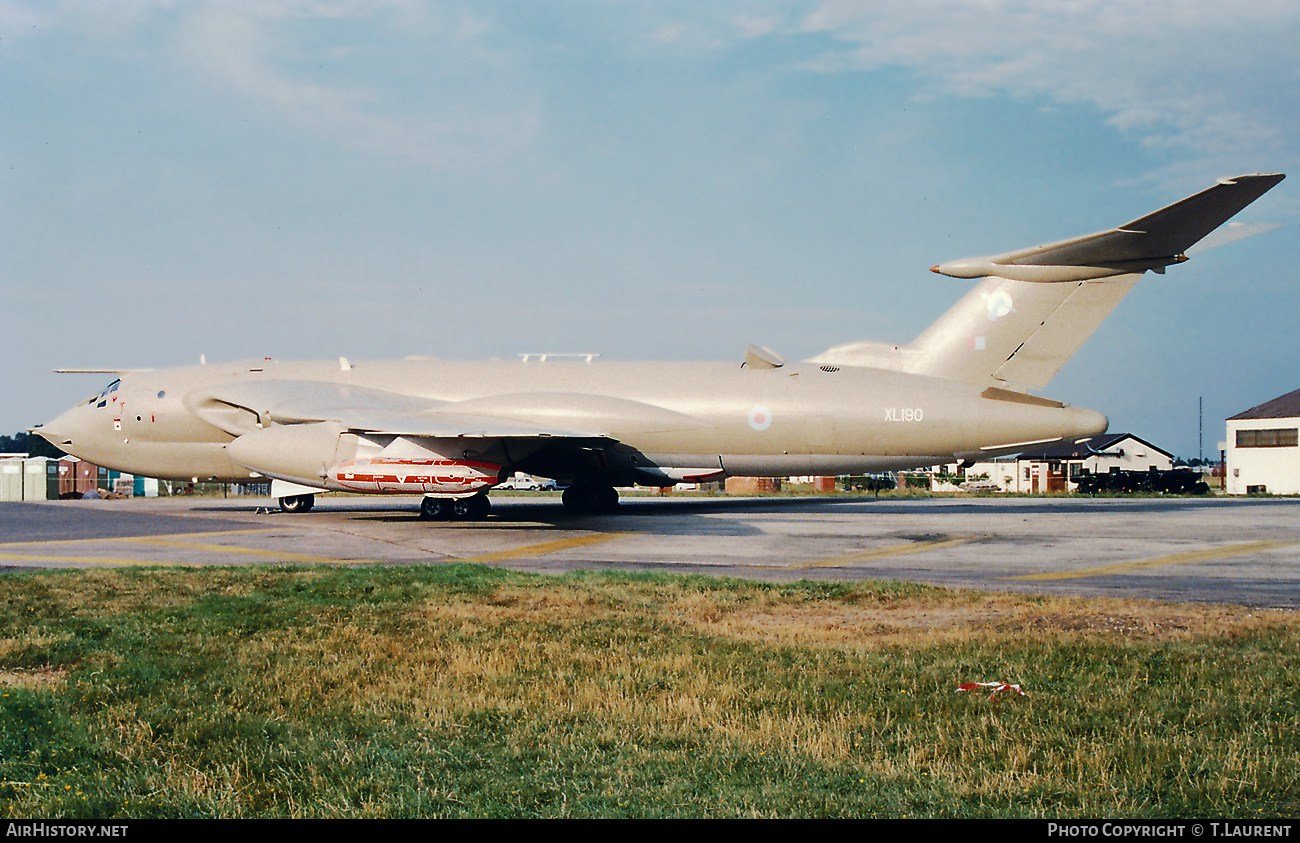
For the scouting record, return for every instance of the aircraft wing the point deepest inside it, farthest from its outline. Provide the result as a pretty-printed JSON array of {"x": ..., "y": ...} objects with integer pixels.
[
  {"x": 1169, "y": 232},
  {"x": 282, "y": 428},
  {"x": 241, "y": 407},
  {"x": 122, "y": 371}
]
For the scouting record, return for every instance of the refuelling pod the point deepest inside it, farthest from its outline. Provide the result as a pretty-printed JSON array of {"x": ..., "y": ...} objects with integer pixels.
[
  {"x": 326, "y": 455},
  {"x": 390, "y": 475}
]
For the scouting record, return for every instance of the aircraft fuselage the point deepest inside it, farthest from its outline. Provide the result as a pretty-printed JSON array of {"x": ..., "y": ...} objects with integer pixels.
[{"x": 640, "y": 418}]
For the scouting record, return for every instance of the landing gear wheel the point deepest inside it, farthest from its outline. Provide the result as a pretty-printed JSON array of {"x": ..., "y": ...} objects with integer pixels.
[
  {"x": 297, "y": 503},
  {"x": 436, "y": 509},
  {"x": 582, "y": 499},
  {"x": 473, "y": 508}
]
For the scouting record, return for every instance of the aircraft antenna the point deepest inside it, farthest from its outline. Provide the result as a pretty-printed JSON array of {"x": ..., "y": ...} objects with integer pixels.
[
  {"x": 1200, "y": 428},
  {"x": 542, "y": 357}
]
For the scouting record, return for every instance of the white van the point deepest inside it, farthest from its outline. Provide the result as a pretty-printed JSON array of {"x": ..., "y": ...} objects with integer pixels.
[{"x": 527, "y": 483}]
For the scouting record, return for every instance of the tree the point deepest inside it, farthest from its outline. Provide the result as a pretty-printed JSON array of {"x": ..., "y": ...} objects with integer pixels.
[{"x": 29, "y": 444}]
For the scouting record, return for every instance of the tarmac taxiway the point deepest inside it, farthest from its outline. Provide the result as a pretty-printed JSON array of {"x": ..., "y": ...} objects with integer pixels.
[{"x": 1216, "y": 550}]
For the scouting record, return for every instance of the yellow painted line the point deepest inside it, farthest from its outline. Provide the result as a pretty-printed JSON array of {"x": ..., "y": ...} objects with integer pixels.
[
  {"x": 179, "y": 541},
  {"x": 107, "y": 560},
  {"x": 92, "y": 560},
  {"x": 250, "y": 551},
  {"x": 850, "y": 559},
  {"x": 1160, "y": 562},
  {"x": 546, "y": 547},
  {"x": 176, "y": 540},
  {"x": 137, "y": 538}
]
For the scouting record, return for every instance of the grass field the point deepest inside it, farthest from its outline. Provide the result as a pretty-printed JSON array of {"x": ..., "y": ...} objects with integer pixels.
[{"x": 476, "y": 692}]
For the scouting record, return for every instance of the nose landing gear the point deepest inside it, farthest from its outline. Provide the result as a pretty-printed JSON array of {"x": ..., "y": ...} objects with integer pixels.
[{"x": 297, "y": 503}]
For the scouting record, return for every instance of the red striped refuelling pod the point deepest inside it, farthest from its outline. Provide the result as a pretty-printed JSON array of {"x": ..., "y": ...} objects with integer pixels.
[{"x": 404, "y": 476}]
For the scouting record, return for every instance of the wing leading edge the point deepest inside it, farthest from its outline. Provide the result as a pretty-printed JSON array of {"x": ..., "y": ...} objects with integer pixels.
[{"x": 242, "y": 407}]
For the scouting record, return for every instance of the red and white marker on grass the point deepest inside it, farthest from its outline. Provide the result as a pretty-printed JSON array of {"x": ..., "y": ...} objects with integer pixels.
[{"x": 998, "y": 687}]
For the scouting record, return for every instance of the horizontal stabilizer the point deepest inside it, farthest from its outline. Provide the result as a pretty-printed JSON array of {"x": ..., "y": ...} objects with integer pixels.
[
  {"x": 1035, "y": 307},
  {"x": 1152, "y": 242}
]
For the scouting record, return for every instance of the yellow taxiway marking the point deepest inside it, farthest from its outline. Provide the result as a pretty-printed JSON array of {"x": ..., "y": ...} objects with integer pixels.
[
  {"x": 252, "y": 551},
  {"x": 545, "y": 547},
  {"x": 283, "y": 556},
  {"x": 138, "y": 538},
  {"x": 850, "y": 559},
  {"x": 176, "y": 540},
  {"x": 90, "y": 560},
  {"x": 181, "y": 540},
  {"x": 1160, "y": 562}
]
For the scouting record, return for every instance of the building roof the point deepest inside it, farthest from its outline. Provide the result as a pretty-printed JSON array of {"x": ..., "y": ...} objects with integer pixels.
[
  {"x": 1085, "y": 448},
  {"x": 1283, "y": 407}
]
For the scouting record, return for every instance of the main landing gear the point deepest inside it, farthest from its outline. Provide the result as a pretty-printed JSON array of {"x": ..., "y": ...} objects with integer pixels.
[
  {"x": 297, "y": 503},
  {"x": 584, "y": 498},
  {"x": 472, "y": 508}
]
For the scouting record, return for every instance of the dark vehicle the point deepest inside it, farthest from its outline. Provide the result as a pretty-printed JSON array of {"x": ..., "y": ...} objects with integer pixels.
[
  {"x": 869, "y": 483},
  {"x": 1178, "y": 481}
]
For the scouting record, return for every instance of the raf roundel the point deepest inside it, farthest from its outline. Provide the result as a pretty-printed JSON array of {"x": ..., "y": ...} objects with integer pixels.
[
  {"x": 999, "y": 304},
  {"x": 760, "y": 418}
]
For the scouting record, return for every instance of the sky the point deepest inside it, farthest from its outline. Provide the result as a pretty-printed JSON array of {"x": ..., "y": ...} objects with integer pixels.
[{"x": 304, "y": 179}]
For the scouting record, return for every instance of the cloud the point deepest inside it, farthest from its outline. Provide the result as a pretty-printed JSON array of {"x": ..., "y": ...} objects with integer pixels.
[
  {"x": 19, "y": 20},
  {"x": 242, "y": 49},
  {"x": 671, "y": 33},
  {"x": 1208, "y": 80},
  {"x": 752, "y": 27}
]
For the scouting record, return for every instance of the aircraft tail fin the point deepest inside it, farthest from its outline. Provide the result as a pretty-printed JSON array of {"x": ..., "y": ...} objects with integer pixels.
[
  {"x": 1017, "y": 332},
  {"x": 1035, "y": 307}
]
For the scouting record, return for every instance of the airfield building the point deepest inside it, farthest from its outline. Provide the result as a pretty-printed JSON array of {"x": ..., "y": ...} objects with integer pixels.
[
  {"x": 1262, "y": 450},
  {"x": 1058, "y": 468}
]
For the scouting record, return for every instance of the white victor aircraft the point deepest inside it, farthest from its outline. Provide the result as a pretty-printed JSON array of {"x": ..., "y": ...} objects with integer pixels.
[{"x": 453, "y": 430}]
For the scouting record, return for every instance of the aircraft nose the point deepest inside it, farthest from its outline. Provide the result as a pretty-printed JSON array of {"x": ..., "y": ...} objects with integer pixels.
[
  {"x": 53, "y": 435},
  {"x": 64, "y": 431}
]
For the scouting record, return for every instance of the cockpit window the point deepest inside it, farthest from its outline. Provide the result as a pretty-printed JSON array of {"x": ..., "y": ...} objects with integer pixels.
[{"x": 108, "y": 390}]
